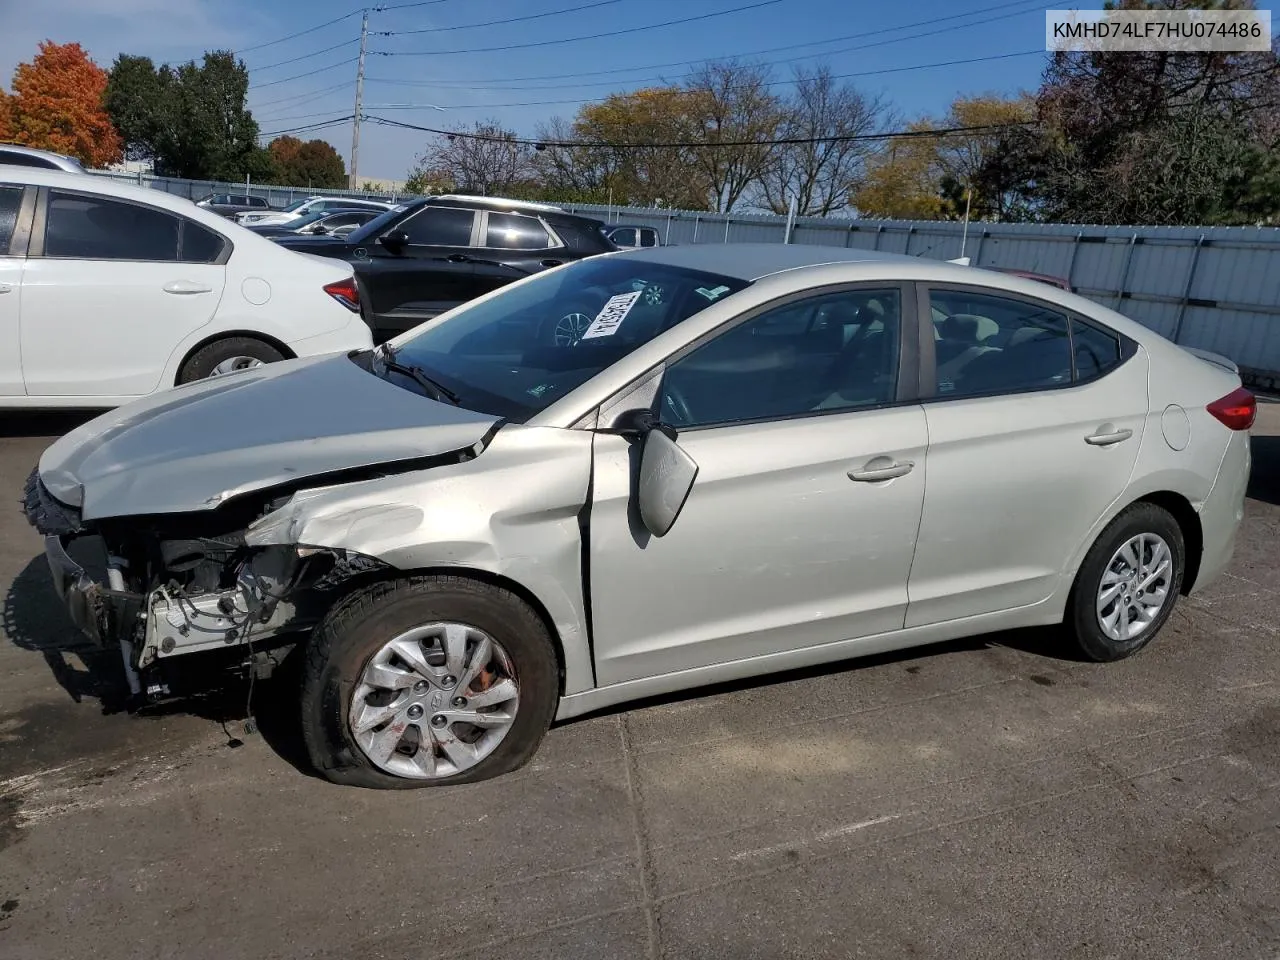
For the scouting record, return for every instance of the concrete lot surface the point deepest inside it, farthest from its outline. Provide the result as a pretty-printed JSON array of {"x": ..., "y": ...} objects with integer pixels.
[{"x": 981, "y": 799}]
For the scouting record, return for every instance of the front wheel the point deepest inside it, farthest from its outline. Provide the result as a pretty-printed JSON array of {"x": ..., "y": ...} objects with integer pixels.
[
  {"x": 1127, "y": 584},
  {"x": 424, "y": 682}
]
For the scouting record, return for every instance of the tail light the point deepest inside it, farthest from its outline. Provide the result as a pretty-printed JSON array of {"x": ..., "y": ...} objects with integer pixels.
[
  {"x": 1236, "y": 410},
  {"x": 345, "y": 292}
]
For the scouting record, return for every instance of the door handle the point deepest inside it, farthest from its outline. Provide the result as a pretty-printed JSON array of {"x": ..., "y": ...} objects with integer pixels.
[
  {"x": 5, "y": 288},
  {"x": 552, "y": 263},
  {"x": 888, "y": 470},
  {"x": 458, "y": 258},
  {"x": 1107, "y": 439},
  {"x": 187, "y": 286}
]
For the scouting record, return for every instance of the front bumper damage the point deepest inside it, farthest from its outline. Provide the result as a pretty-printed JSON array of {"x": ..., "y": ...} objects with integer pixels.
[{"x": 247, "y": 597}]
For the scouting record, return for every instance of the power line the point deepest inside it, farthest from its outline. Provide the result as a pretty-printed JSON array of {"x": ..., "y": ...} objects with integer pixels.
[
  {"x": 301, "y": 33},
  {"x": 307, "y": 56},
  {"x": 770, "y": 83},
  {"x": 750, "y": 53},
  {"x": 496, "y": 23},
  {"x": 592, "y": 36},
  {"x": 299, "y": 76},
  {"x": 302, "y": 97},
  {"x": 700, "y": 145},
  {"x": 307, "y": 128}
]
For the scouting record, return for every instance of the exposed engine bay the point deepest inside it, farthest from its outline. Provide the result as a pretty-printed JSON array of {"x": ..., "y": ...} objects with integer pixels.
[{"x": 162, "y": 586}]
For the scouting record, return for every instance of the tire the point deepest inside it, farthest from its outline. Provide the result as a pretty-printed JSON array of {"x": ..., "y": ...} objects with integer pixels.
[
  {"x": 204, "y": 361},
  {"x": 359, "y": 627},
  {"x": 1084, "y": 611}
]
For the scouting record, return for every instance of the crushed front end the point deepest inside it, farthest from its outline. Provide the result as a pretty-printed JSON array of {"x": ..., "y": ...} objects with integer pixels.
[{"x": 163, "y": 586}]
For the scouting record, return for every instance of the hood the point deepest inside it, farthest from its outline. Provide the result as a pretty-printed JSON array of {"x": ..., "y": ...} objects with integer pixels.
[{"x": 196, "y": 446}]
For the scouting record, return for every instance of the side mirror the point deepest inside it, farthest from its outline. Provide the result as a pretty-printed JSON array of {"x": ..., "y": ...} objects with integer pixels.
[
  {"x": 666, "y": 479},
  {"x": 395, "y": 241}
]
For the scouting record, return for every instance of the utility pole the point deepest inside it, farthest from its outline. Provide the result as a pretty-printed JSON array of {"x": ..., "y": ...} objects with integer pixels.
[{"x": 355, "y": 123}]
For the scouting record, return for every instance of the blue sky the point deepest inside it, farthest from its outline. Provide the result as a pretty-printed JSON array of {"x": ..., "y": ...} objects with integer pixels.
[{"x": 427, "y": 67}]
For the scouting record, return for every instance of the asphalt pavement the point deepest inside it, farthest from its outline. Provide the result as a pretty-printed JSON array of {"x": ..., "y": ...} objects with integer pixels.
[{"x": 992, "y": 798}]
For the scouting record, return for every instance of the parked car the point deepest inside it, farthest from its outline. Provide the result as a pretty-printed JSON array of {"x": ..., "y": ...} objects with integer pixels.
[
  {"x": 110, "y": 292},
  {"x": 301, "y": 208},
  {"x": 722, "y": 475},
  {"x": 416, "y": 262},
  {"x": 337, "y": 223},
  {"x": 630, "y": 236},
  {"x": 12, "y": 154},
  {"x": 230, "y": 204}
]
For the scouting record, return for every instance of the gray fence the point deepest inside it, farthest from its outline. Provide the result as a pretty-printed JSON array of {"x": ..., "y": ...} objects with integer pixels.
[{"x": 1217, "y": 288}]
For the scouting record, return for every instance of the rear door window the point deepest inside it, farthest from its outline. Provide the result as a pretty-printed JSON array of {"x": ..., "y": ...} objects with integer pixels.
[
  {"x": 83, "y": 227},
  {"x": 10, "y": 202},
  {"x": 508, "y": 232}
]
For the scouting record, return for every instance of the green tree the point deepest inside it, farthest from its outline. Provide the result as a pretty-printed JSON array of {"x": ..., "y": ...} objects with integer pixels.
[
  {"x": 191, "y": 120},
  {"x": 1151, "y": 137}
]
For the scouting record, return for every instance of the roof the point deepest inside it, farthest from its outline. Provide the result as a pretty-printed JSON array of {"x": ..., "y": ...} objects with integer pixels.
[
  {"x": 63, "y": 160},
  {"x": 502, "y": 202},
  {"x": 751, "y": 261}
]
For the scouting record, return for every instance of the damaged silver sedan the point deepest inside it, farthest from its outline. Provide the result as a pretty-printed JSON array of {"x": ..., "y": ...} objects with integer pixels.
[{"x": 640, "y": 473}]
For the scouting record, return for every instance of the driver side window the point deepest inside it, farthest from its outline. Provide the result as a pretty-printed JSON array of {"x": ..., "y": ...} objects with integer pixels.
[{"x": 823, "y": 354}]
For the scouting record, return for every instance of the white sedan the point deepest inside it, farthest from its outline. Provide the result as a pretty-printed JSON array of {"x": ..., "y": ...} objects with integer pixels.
[
  {"x": 302, "y": 208},
  {"x": 110, "y": 292}
]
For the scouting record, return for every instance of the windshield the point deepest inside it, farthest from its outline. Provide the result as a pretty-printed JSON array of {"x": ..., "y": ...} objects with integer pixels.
[
  {"x": 310, "y": 217},
  {"x": 294, "y": 206},
  {"x": 515, "y": 355}
]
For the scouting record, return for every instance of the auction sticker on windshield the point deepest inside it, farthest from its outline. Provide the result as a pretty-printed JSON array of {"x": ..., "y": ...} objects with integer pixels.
[{"x": 611, "y": 316}]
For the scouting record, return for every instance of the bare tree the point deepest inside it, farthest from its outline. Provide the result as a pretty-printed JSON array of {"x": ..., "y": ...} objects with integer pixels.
[
  {"x": 484, "y": 158},
  {"x": 824, "y": 172},
  {"x": 733, "y": 105}
]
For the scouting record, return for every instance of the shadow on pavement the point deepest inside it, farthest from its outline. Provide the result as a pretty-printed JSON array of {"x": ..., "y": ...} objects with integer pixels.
[
  {"x": 43, "y": 423},
  {"x": 34, "y": 619},
  {"x": 1264, "y": 479}
]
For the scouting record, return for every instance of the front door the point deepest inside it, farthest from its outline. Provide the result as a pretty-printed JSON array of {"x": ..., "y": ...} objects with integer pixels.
[
  {"x": 800, "y": 526},
  {"x": 1033, "y": 433},
  {"x": 429, "y": 274},
  {"x": 109, "y": 292}
]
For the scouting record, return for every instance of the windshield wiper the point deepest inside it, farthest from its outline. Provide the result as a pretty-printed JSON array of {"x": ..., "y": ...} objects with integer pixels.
[{"x": 436, "y": 391}]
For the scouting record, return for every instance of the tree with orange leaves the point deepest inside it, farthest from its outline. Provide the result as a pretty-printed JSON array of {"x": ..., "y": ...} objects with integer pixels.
[{"x": 57, "y": 105}]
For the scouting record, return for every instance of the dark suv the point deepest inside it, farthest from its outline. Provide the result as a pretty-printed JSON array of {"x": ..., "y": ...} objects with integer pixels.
[{"x": 429, "y": 255}]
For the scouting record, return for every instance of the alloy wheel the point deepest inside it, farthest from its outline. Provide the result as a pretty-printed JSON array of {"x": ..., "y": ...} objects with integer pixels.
[
  {"x": 1134, "y": 586},
  {"x": 235, "y": 365},
  {"x": 434, "y": 701}
]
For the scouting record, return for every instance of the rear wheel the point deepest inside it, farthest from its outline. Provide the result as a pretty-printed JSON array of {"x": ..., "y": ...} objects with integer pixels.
[
  {"x": 1128, "y": 584},
  {"x": 430, "y": 681},
  {"x": 228, "y": 355}
]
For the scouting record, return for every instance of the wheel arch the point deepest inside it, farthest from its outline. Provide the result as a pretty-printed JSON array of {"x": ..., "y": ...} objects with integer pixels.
[
  {"x": 1188, "y": 520},
  {"x": 515, "y": 587},
  {"x": 266, "y": 338}
]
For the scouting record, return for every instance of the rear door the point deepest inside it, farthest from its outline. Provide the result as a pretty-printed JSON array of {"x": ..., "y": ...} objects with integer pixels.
[
  {"x": 15, "y": 228},
  {"x": 430, "y": 274},
  {"x": 514, "y": 246},
  {"x": 1035, "y": 421},
  {"x": 111, "y": 287}
]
